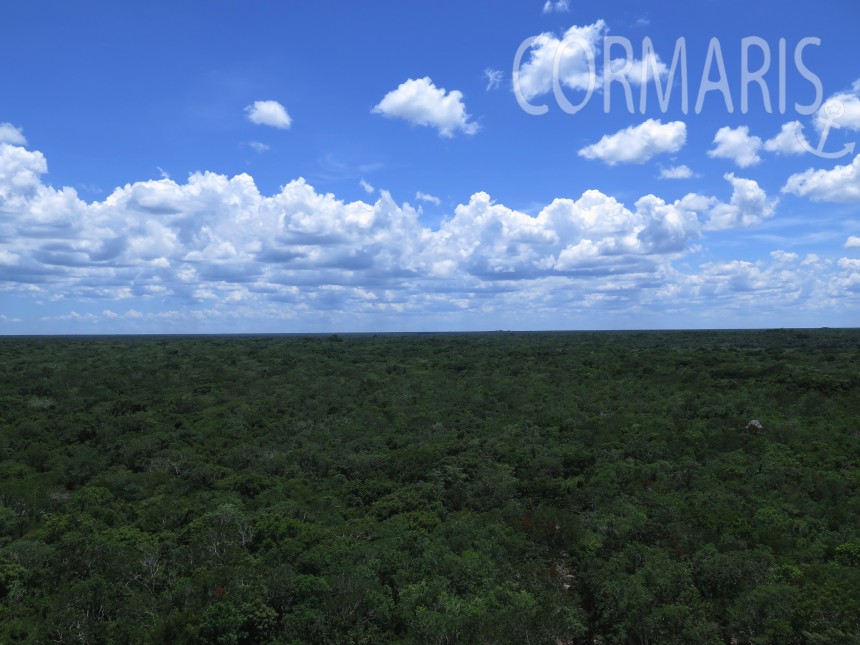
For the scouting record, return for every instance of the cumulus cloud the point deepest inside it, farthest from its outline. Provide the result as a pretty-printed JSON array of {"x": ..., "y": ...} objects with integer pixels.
[
  {"x": 789, "y": 141},
  {"x": 752, "y": 293},
  {"x": 575, "y": 71},
  {"x": 215, "y": 230},
  {"x": 189, "y": 240},
  {"x": 843, "y": 109},
  {"x": 368, "y": 188},
  {"x": 215, "y": 248},
  {"x": 638, "y": 144},
  {"x": 840, "y": 184},
  {"x": 749, "y": 280},
  {"x": 848, "y": 279},
  {"x": 420, "y": 102},
  {"x": 594, "y": 235},
  {"x": 10, "y": 134},
  {"x": 535, "y": 76},
  {"x": 783, "y": 257},
  {"x": 269, "y": 113},
  {"x": 677, "y": 172},
  {"x": 852, "y": 242},
  {"x": 20, "y": 172},
  {"x": 558, "y": 6},
  {"x": 736, "y": 144},
  {"x": 749, "y": 205}
]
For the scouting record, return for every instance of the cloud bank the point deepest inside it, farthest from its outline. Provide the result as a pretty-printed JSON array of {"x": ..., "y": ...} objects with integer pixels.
[{"x": 215, "y": 247}]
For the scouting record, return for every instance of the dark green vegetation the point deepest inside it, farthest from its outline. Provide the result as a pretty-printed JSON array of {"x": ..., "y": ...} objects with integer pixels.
[{"x": 498, "y": 488}]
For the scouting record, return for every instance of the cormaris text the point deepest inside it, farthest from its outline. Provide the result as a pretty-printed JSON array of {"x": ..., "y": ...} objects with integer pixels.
[{"x": 621, "y": 71}]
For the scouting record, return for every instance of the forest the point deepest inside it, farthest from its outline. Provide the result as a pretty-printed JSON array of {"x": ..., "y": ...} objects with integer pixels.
[{"x": 559, "y": 488}]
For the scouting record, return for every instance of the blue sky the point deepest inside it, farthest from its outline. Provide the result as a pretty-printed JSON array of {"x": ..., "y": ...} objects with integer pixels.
[{"x": 341, "y": 166}]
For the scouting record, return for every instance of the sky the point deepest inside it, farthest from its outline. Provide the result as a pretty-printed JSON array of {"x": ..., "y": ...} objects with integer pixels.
[{"x": 299, "y": 167}]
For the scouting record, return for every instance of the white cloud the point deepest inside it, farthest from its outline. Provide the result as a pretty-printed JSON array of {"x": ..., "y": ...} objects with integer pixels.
[
  {"x": 214, "y": 230},
  {"x": 221, "y": 255},
  {"x": 757, "y": 293},
  {"x": 368, "y": 188},
  {"x": 789, "y": 141},
  {"x": 535, "y": 75},
  {"x": 558, "y": 6},
  {"x": 591, "y": 236},
  {"x": 420, "y": 102},
  {"x": 738, "y": 145},
  {"x": 852, "y": 242},
  {"x": 131, "y": 314},
  {"x": 848, "y": 278},
  {"x": 74, "y": 316},
  {"x": 20, "y": 170},
  {"x": 783, "y": 257},
  {"x": 749, "y": 205},
  {"x": 843, "y": 108},
  {"x": 258, "y": 146},
  {"x": 741, "y": 281},
  {"x": 841, "y": 184},
  {"x": 638, "y": 144},
  {"x": 677, "y": 172},
  {"x": 424, "y": 197},
  {"x": 12, "y": 135},
  {"x": 269, "y": 113},
  {"x": 493, "y": 77}
]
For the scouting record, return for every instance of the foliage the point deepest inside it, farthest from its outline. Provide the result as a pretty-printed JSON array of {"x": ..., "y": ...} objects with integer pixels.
[{"x": 431, "y": 488}]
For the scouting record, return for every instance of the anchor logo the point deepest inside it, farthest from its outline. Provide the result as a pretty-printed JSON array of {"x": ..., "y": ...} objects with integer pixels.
[{"x": 833, "y": 110}]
